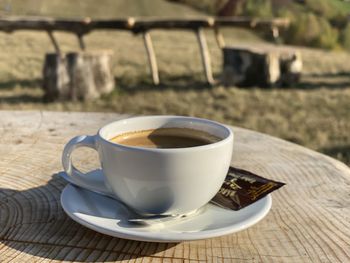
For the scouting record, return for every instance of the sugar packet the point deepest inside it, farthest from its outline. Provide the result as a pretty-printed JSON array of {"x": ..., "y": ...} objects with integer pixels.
[{"x": 242, "y": 188}]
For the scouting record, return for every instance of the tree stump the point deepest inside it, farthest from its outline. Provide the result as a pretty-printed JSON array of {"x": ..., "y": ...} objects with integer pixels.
[
  {"x": 77, "y": 75},
  {"x": 291, "y": 66},
  {"x": 56, "y": 77},
  {"x": 260, "y": 67},
  {"x": 308, "y": 222}
]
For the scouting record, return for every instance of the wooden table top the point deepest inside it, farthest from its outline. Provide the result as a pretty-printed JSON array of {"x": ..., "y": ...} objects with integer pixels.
[{"x": 309, "y": 219}]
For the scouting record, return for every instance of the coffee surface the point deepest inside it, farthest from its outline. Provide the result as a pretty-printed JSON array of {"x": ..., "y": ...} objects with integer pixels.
[{"x": 165, "y": 138}]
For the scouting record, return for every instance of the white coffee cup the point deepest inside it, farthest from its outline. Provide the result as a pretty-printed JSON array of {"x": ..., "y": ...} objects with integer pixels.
[{"x": 158, "y": 181}]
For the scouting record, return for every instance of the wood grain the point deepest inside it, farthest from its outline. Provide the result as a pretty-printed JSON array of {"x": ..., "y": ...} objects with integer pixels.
[{"x": 308, "y": 222}]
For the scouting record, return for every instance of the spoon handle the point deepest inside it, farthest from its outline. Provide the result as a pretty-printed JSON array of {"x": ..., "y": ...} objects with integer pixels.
[
  {"x": 95, "y": 177},
  {"x": 134, "y": 217}
]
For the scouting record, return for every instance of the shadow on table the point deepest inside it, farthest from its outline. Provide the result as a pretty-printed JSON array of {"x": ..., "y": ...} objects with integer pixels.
[{"x": 33, "y": 222}]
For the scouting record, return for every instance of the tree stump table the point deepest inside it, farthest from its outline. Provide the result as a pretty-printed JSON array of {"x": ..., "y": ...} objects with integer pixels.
[{"x": 308, "y": 221}]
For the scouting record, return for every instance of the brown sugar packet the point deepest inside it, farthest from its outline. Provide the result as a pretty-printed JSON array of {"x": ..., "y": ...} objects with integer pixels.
[{"x": 242, "y": 188}]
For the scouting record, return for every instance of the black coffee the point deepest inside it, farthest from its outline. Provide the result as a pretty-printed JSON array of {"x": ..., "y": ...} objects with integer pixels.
[{"x": 166, "y": 138}]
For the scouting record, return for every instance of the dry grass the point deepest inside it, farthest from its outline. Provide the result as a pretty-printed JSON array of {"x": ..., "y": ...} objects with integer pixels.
[
  {"x": 95, "y": 9},
  {"x": 315, "y": 113}
]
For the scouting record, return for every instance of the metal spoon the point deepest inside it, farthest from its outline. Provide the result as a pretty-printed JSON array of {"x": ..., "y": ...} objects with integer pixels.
[{"x": 135, "y": 218}]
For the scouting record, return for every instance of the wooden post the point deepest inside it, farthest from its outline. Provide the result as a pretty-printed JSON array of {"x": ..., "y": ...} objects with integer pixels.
[
  {"x": 219, "y": 38},
  {"x": 54, "y": 42},
  {"x": 205, "y": 55},
  {"x": 151, "y": 57},
  {"x": 81, "y": 42}
]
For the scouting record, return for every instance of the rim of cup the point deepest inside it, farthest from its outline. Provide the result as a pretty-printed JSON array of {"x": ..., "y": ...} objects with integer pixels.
[{"x": 228, "y": 136}]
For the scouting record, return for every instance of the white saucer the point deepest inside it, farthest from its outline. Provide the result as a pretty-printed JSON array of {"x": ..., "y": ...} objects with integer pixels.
[{"x": 106, "y": 215}]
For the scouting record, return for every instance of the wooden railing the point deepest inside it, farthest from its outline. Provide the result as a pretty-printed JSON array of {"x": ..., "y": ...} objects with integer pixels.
[{"x": 81, "y": 27}]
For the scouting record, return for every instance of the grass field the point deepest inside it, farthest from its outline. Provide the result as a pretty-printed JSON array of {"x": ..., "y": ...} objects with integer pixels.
[
  {"x": 95, "y": 9},
  {"x": 314, "y": 113}
]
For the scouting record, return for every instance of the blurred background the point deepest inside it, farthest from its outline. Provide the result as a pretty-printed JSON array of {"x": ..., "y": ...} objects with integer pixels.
[{"x": 315, "y": 112}]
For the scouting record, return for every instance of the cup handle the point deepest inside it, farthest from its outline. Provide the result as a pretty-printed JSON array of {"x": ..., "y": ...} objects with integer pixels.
[
  {"x": 74, "y": 143},
  {"x": 73, "y": 175}
]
